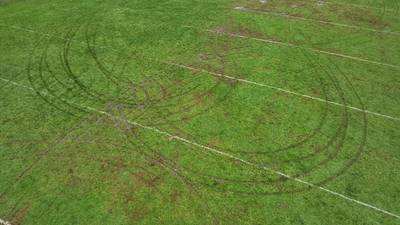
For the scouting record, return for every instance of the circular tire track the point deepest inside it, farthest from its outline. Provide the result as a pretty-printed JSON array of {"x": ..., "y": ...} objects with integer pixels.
[{"x": 155, "y": 110}]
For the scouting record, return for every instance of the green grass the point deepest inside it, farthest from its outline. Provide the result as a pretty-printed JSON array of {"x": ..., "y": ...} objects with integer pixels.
[{"x": 96, "y": 119}]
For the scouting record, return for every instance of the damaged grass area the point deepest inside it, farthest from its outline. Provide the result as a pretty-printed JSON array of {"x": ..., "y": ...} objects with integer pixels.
[{"x": 199, "y": 112}]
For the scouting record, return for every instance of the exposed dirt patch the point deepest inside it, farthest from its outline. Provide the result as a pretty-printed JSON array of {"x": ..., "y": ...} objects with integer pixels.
[
  {"x": 174, "y": 196},
  {"x": 201, "y": 98},
  {"x": 241, "y": 30},
  {"x": 319, "y": 11},
  {"x": 20, "y": 214},
  {"x": 6, "y": 2},
  {"x": 113, "y": 165},
  {"x": 144, "y": 180}
]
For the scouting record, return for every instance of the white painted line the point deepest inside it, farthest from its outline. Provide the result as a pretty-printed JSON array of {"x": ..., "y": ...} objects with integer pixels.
[
  {"x": 233, "y": 78},
  {"x": 298, "y": 46},
  {"x": 361, "y": 6},
  {"x": 283, "y": 90},
  {"x": 244, "y": 9},
  {"x": 224, "y": 154},
  {"x": 4, "y": 222}
]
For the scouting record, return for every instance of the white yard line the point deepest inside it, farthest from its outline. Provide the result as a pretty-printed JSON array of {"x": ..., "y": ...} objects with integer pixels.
[
  {"x": 237, "y": 36},
  {"x": 283, "y": 90},
  {"x": 244, "y": 9},
  {"x": 298, "y": 46},
  {"x": 233, "y": 78},
  {"x": 360, "y": 6},
  {"x": 224, "y": 154}
]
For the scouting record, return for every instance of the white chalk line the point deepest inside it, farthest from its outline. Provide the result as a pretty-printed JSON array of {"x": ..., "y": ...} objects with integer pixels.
[
  {"x": 361, "y": 6},
  {"x": 244, "y": 9},
  {"x": 298, "y": 46},
  {"x": 283, "y": 90},
  {"x": 233, "y": 78},
  {"x": 221, "y": 153}
]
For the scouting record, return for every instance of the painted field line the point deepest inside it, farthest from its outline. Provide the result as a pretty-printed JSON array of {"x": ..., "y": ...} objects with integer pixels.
[
  {"x": 360, "y": 6},
  {"x": 298, "y": 46},
  {"x": 233, "y": 78},
  {"x": 224, "y": 154},
  {"x": 4, "y": 222},
  {"x": 282, "y": 90},
  {"x": 244, "y": 9}
]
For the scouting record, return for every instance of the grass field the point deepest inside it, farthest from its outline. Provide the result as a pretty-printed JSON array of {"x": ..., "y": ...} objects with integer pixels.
[{"x": 199, "y": 112}]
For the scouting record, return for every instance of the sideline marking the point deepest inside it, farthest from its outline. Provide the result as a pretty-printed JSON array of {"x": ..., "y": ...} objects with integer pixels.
[
  {"x": 362, "y": 6},
  {"x": 229, "y": 77},
  {"x": 218, "y": 152},
  {"x": 297, "y": 46},
  {"x": 244, "y": 9},
  {"x": 283, "y": 90}
]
